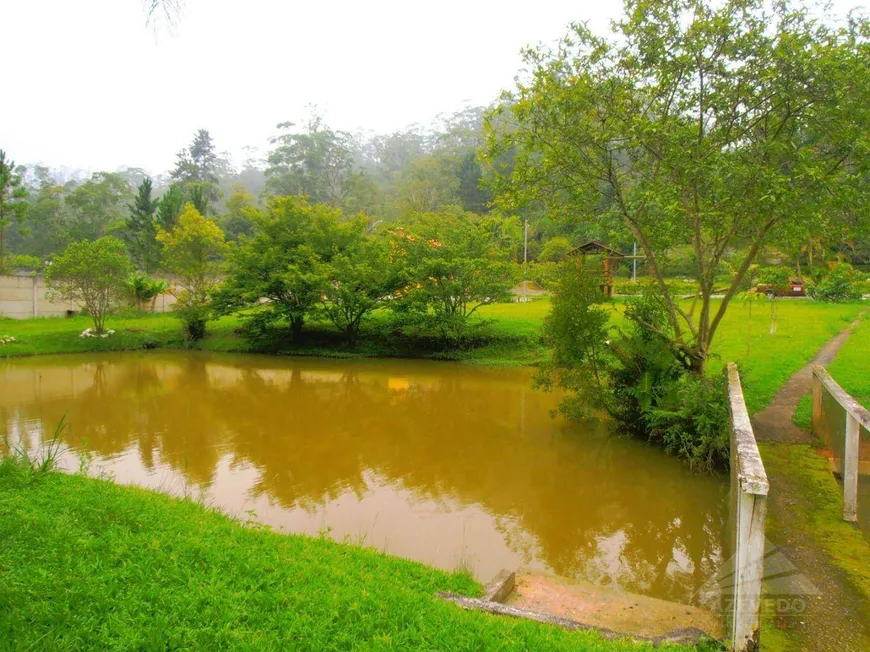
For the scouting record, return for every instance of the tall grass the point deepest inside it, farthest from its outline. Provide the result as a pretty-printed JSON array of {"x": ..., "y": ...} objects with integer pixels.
[{"x": 20, "y": 457}]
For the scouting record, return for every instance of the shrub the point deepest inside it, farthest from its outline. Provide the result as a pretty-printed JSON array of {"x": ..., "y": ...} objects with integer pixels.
[
  {"x": 144, "y": 290},
  {"x": 841, "y": 284},
  {"x": 777, "y": 277},
  {"x": 554, "y": 249},
  {"x": 544, "y": 274},
  {"x": 641, "y": 381},
  {"x": 25, "y": 262}
]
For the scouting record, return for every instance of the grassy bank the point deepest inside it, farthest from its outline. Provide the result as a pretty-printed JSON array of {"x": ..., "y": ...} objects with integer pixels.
[
  {"x": 505, "y": 334},
  {"x": 511, "y": 335},
  {"x": 87, "y": 564}
]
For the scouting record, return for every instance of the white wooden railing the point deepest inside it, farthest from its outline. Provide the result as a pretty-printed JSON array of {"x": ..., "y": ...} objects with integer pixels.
[
  {"x": 749, "y": 488},
  {"x": 856, "y": 417}
]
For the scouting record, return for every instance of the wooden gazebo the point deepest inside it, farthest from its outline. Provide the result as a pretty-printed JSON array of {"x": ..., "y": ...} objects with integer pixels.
[{"x": 594, "y": 254}]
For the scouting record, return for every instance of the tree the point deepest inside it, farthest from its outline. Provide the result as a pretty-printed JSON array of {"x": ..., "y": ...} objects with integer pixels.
[
  {"x": 718, "y": 125},
  {"x": 427, "y": 184},
  {"x": 315, "y": 162},
  {"x": 473, "y": 197},
  {"x": 236, "y": 220},
  {"x": 283, "y": 261},
  {"x": 141, "y": 229},
  {"x": 193, "y": 251},
  {"x": 98, "y": 206},
  {"x": 169, "y": 207},
  {"x": 361, "y": 277},
  {"x": 196, "y": 169},
  {"x": 12, "y": 204},
  {"x": 47, "y": 216},
  {"x": 554, "y": 249},
  {"x": 452, "y": 266},
  {"x": 91, "y": 274}
]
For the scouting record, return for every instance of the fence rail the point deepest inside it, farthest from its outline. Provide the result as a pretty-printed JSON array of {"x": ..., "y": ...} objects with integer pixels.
[
  {"x": 856, "y": 417},
  {"x": 749, "y": 489}
]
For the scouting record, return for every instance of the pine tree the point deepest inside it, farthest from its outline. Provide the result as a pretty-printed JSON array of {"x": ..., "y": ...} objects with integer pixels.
[
  {"x": 141, "y": 232},
  {"x": 169, "y": 207},
  {"x": 472, "y": 196},
  {"x": 196, "y": 166}
]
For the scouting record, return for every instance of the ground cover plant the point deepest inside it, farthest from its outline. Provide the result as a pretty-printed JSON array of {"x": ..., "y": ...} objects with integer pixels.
[{"x": 88, "y": 564}]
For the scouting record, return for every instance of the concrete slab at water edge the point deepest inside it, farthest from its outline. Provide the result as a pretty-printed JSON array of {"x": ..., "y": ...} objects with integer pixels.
[{"x": 608, "y": 608}]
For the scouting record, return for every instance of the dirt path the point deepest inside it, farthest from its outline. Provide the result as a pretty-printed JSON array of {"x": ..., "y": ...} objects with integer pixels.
[
  {"x": 774, "y": 423},
  {"x": 837, "y": 617}
]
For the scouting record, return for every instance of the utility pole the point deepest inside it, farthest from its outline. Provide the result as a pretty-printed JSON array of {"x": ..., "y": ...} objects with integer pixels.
[
  {"x": 525, "y": 258},
  {"x": 634, "y": 264},
  {"x": 525, "y": 241}
]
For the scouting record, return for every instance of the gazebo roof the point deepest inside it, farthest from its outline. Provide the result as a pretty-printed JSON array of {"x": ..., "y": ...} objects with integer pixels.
[{"x": 594, "y": 247}]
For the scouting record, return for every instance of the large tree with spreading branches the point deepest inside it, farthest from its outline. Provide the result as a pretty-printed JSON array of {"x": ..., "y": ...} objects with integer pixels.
[{"x": 720, "y": 125}]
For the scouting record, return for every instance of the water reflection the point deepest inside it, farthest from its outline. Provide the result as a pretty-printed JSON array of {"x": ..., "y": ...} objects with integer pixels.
[{"x": 436, "y": 462}]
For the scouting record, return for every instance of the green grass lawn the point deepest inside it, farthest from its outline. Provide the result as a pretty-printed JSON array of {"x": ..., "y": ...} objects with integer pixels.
[
  {"x": 90, "y": 565},
  {"x": 851, "y": 367},
  {"x": 511, "y": 335},
  {"x": 768, "y": 359}
]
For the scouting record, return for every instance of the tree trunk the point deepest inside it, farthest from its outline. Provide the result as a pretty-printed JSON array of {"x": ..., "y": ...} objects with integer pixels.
[{"x": 296, "y": 324}]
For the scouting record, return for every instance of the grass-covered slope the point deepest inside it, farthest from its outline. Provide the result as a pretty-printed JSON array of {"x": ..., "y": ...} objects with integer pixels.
[{"x": 86, "y": 564}]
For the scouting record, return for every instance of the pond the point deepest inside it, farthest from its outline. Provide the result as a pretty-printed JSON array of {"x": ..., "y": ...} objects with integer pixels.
[{"x": 451, "y": 465}]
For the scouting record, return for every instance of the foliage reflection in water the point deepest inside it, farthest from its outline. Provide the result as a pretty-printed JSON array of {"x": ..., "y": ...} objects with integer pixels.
[{"x": 442, "y": 463}]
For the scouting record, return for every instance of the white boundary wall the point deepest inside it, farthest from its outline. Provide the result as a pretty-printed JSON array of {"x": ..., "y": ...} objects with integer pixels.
[
  {"x": 23, "y": 296},
  {"x": 749, "y": 488}
]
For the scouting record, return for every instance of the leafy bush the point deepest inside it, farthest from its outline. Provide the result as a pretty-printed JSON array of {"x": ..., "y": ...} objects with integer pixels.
[
  {"x": 841, "y": 284},
  {"x": 452, "y": 266},
  {"x": 677, "y": 287},
  {"x": 635, "y": 375},
  {"x": 691, "y": 420},
  {"x": 144, "y": 290},
  {"x": 554, "y": 249},
  {"x": 25, "y": 262},
  {"x": 778, "y": 277},
  {"x": 544, "y": 274}
]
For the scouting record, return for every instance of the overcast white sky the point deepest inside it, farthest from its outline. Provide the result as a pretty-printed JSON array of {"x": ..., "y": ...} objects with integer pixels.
[{"x": 93, "y": 87}]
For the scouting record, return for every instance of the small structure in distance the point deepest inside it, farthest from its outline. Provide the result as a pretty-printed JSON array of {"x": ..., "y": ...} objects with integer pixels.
[{"x": 595, "y": 255}]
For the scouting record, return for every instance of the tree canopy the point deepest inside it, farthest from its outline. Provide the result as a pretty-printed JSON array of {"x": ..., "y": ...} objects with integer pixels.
[
  {"x": 719, "y": 125},
  {"x": 91, "y": 274}
]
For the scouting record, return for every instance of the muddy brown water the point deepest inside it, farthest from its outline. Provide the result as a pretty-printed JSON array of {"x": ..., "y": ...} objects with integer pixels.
[{"x": 446, "y": 464}]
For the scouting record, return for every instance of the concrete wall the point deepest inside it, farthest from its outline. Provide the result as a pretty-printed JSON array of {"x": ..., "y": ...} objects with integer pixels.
[{"x": 23, "y": 296}]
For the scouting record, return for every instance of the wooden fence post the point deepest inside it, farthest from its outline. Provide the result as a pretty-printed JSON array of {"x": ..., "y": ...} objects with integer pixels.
[
  {"x": 850, "y": 469},
  {"x": 817, "y": 403}
]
